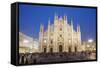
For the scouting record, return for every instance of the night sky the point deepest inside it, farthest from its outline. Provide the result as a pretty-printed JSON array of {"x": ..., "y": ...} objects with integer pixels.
[{"x": 31, "y": 16}]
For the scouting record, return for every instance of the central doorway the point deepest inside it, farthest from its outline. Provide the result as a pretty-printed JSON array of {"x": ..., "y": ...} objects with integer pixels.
[
  {"x": 44, "y": 50},
  {"x": 60, "y": 48}
]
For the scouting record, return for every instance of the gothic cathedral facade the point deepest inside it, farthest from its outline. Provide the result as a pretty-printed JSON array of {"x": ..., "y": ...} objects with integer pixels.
[{"x": 59, "y": 37}]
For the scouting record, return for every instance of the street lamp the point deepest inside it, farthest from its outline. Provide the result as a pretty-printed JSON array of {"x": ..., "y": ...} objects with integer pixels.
[
  {"x": 90, "y": 40},
  {"x": 90, "y": 44}
]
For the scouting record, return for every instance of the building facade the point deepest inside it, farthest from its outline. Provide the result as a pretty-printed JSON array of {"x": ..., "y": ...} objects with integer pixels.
[
  {"x": 89, "y": 46},
  {"x": 27, "y": 44},
  {"x": 59, "y": 36}
]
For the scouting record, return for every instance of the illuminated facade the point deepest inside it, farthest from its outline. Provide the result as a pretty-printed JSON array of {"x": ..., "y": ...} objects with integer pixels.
[
  {"x": 27, "y": 44},
  {"x": 59, "y": 36}
]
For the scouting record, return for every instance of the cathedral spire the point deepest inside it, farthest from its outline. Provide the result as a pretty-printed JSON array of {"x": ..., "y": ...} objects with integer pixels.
[
  {"x": 41, "y": 28},
  {"x": 72, "y": 30},
  {"x": 65, "y": 19},
  {"x": 72, "y": 24},
  {"x": 56, "y": 17},
  {"x": 78, "y": 28},
  {"x": 49, "y": 24}
]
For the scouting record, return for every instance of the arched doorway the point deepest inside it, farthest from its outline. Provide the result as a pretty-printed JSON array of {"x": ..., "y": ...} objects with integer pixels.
[
  {"x": 51, "y": 50},
  {"x": 60, "y": 48},
  {"x": 75, "y": 49}
]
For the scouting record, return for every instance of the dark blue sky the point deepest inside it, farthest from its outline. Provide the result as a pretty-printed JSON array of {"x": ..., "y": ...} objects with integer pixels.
[{"x": 31, "y": 16}]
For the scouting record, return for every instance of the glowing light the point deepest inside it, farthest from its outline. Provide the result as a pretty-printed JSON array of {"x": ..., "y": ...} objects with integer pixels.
[{"x": 90, "y": 40}]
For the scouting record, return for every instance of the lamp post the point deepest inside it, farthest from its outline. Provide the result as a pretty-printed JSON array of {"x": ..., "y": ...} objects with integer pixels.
[
  {"x": 90, "y": 40},
  {"x": 90, "y": 44}
]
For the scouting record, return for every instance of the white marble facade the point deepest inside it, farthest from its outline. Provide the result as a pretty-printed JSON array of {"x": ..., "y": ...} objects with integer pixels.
[{"x": 59, "y": 36}]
